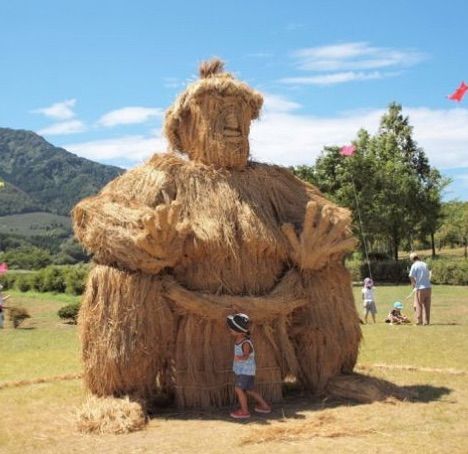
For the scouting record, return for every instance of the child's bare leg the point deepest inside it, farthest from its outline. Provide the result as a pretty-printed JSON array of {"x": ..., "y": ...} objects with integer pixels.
[
  {"x": 242, "y": 398},
  {"x": 365, "y": 317},
  {"x": 373, "y": 317},
  {"x": 259, "y": 399}
]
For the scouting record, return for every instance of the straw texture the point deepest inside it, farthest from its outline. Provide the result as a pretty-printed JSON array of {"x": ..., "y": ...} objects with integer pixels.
[{"x": 181, "y": 243}]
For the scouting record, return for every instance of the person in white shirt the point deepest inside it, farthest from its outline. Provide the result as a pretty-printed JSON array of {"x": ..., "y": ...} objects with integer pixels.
[
  {"x": 421, "y": 281},
  {"x": 368, "y": 299}
]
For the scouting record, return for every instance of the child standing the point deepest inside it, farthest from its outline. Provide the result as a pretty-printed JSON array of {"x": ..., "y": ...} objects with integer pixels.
[
  {"x": 244, "y": 367},
  {"x": 368, "y": 298}
]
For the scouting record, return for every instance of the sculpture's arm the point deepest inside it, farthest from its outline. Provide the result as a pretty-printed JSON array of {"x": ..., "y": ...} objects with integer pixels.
[
  {"x": 131, "y": 235},
  {"x": 326, "y": 236}
]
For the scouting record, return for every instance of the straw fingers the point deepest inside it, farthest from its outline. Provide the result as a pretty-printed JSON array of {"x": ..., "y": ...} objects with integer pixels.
[{"x": 325, "y": 236}]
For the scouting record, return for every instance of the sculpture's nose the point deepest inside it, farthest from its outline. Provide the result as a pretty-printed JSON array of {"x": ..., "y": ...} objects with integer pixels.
[{"x": 231, "y": 125}]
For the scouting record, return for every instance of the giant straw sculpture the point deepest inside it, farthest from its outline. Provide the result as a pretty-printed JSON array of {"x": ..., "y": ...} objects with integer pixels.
[{"x": 198, "y": 233}]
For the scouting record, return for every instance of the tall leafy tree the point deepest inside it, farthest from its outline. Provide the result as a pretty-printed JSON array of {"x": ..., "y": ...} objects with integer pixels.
[
  {"x": 389, "y": 178},
  {"x": 454, "y": 228}
]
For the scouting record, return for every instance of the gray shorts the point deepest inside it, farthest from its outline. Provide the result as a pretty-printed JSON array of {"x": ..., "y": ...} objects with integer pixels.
[
  {"x": 369, "y": 306},
  {"x": 245, "y": 382}
]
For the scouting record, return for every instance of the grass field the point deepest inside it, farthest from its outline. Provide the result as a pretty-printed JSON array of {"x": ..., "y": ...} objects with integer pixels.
[
  {"x": 430, "y": 361},
  {"x": 36, "y": 223}
]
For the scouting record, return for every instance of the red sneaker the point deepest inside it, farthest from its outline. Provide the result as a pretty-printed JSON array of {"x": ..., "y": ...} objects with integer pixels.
[{"x": 239, "y": 414}]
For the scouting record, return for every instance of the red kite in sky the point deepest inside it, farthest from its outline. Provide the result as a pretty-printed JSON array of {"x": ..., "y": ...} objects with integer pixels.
[
  {"x": 348, "y": 150},
  {"x": 458, "y": 94}
]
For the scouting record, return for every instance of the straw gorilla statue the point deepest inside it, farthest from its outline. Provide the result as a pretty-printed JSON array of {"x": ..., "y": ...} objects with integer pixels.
[{"x": 180, "y": 243}]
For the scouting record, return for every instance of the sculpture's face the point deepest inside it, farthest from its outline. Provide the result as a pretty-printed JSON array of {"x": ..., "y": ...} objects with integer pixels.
[{"x": 219, "y": 131}]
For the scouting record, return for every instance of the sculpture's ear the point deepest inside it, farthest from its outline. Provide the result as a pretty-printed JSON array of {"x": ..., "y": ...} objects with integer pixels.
[
  {"x": 256, "y": 103},
  {"x": 172, "y": 130}
]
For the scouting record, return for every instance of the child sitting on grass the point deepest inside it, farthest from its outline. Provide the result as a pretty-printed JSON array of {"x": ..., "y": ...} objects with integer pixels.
[
  {"x": 244, "y": 367},
  {"x": 396, "y": 317}
]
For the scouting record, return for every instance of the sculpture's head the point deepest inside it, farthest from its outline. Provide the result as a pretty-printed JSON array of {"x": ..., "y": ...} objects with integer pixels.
[{"x": 210, "y": 120}]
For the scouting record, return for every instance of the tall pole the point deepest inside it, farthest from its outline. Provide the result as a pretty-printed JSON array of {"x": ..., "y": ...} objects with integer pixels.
[{"x": 364, "y": 242}]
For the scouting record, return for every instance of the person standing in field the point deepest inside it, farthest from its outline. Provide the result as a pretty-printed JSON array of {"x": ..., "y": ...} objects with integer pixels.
[
  {"x": 2, "y": 300},
  {"x": 421, "y": 281},
  {"x": 368, "y": 299}
]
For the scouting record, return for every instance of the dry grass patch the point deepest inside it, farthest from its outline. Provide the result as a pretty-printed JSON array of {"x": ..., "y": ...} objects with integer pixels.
[
  {"x": 324, "y": 425},
  {"x": 36, "y": 381}
]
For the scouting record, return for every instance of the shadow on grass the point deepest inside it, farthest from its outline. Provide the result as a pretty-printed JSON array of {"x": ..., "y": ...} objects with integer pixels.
[
  {"x": 342, "y": 391},
  {"x": 445, "y": 324},
  {"x": 427, "y": 393}
]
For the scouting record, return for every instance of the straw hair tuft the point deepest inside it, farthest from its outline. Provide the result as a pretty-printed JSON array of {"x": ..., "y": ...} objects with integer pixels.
[{"x": 211, "y": 68}]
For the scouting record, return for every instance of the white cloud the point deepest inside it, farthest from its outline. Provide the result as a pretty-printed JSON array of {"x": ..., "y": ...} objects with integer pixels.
[
  {"x": 335, "y": 78},
  {"x": 277, "y": 103},
  {"x": 60, "y": 110},
  {"x": 354, "y": 56},
  {"x": 348, "y": 62},
  {"x": 443, "y": 133},
  {"x": 285, "y": 136},
  {"x": 62, "y": 128},
  {"x": 132, "y": 149},
  {"x": 129, "y": 115},
  {"x": 289, "y": 138},
  {"x": 260, "y": 55}
]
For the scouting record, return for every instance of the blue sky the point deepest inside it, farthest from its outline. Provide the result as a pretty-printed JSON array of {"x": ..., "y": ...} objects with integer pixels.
[{"x": 96, "y": 77}]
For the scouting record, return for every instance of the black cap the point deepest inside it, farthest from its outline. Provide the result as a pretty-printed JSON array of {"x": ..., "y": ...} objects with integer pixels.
[{"x": 238, "y": 322}]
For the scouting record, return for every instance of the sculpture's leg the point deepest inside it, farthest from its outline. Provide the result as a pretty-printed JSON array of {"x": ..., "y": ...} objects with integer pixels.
[
  {"x": 203, "y": 363},
  {"x": 127, "y": 332},
  {"x": 326, "y": 332}
]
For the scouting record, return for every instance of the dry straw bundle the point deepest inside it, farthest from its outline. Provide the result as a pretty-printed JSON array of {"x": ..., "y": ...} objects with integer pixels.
[
  {"x": 110, "y": 416},
  {"x": 181, "y": 243}
]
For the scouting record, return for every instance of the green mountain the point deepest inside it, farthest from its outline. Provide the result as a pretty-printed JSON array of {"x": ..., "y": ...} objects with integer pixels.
[{"x": 40, "y": 177}]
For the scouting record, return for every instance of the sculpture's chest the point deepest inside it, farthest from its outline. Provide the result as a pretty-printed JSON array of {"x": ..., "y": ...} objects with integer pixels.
[{"x": 238, "y": 246}]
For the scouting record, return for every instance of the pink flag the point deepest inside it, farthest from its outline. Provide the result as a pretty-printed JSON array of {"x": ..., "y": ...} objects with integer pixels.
[
  {"x": 3, "y": 268},
  {"x": 458, "y": 94},
  {"x": 348, "y": 150}
]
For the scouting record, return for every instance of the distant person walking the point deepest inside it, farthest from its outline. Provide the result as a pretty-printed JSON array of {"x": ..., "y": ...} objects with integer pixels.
[{"x": 421, "y": 281}]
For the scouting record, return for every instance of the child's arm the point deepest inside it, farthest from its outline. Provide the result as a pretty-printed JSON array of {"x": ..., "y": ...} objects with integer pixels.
[
  {"x": 6, "y": 297},
  {"x": 247, "y": 350}
]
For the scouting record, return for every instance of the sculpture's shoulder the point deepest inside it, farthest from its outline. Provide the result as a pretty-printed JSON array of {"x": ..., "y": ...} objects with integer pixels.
[
  {"x": 151, "y": 183},
  {"x": 287, "y": 194},
  {"x": 283, "y": 178}
]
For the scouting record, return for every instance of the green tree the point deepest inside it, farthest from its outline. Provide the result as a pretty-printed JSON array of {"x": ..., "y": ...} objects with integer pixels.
[
  {"x": 454, "y": 228},
  {"x": 389, "y": 178},
  {"x": 26, "y": 258}
]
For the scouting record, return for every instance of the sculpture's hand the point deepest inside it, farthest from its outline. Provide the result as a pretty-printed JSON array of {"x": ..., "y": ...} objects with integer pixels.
[
  {"x": 164, "y": 234},
  {"x": 325, "y": 236}
]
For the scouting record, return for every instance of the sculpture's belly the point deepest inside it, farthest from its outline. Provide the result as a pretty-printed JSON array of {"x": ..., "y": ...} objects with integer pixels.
[{"x": 252, "y": 269}]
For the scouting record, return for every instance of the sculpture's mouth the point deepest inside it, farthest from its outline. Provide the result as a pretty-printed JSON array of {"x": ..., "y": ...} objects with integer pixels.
[
  {"x": 233, "y": 135},
  {"x": 232, "y": 132}
]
